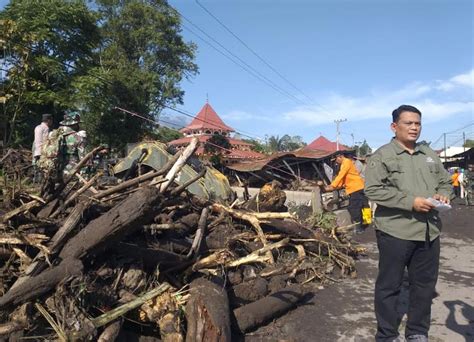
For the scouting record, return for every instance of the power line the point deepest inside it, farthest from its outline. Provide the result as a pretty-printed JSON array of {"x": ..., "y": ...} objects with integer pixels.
[
  {"x": 248, "y": 68},
  {"x": 260, "y": 57},
  {"x": 136, "y": 114}
]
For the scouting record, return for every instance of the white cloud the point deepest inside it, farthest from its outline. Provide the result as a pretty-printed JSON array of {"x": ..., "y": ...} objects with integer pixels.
[
  {"x": 430, "y": 98},
  {"x": 462, "y": 80}
]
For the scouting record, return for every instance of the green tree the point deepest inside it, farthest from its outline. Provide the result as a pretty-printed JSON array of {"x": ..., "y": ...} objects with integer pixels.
[
  {"x": 285, "y": 143},
  {"x": 216, "y": 147},
  {"x": 256, "y": 145},
  {"x": 142, "y": 58},
  {"x": 363, "y": 150},
  {"x": 166, "y": 134},
  {"x": 469, "y": 143},
  {"x": 46, "y": 46},
  {"x": 60, "y": 55}
]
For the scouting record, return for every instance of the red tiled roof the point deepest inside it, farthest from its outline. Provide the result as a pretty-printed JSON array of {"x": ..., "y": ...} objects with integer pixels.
[
  {"x": 204, "y": 138},
  {"x": 207, "y": 118},
  {"x": 234, "y": 154},
  {"x": 324, "y": 144}
]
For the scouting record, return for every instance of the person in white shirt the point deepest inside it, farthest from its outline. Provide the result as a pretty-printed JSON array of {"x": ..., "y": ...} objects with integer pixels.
[
  {"x": 461, "y": 182},
  {"x": 41, "y": 134}
]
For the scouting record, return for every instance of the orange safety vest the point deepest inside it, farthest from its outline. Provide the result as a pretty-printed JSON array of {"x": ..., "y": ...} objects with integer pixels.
[
  {"x": 348, "y": 177},
  {"x": 455, "y": 180}
]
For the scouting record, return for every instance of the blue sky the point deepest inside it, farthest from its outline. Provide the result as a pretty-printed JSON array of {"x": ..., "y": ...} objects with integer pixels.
[
  {"x": 351, "y": 59},
  {"x": 354, "y": 60}
]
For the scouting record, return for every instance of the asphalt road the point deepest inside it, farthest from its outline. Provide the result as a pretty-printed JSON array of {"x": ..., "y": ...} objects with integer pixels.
[{"x": 344, "y": 311}]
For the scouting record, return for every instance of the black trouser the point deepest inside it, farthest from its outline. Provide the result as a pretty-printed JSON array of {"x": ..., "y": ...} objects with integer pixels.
[
  {"x": 357, "y": 201},
  {"x": 422, "y": 260},
  {"x": 457, "y": 191}
]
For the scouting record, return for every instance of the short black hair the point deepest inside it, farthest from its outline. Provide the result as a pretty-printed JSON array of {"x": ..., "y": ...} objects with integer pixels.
[{"x": 403, "y": 108}]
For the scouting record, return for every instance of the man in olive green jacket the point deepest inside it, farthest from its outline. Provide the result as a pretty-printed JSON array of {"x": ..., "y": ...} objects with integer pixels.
[{"x": 401, "y": 177}]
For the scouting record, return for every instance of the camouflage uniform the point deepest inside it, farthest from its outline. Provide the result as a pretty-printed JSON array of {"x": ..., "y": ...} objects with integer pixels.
[
  {"x": 64, "y": 148},
  {"x": 74, "y": 149}
]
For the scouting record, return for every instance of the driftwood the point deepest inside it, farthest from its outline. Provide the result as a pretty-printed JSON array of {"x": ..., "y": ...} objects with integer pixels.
[
  {"x": 123, "y": 219},
  {"x": 111, "y": 332},
  {"x": 150, "y": 256},
  {"x": 55, "y": 243},
  {"x": 25, "y": 207},
  {"x": 112, "y": 315},
  {"x": 171, "y": 175},
  {"x": 75, "y": 195},
  {"x": 176, "y": 191},
  {"x": 196, "y": 246},
  {"x": 264, "y": 310},
  {"x": 42, "y": 283},
  {"x": 224, "y": 258},
  {"x": 207, "y": 313}
]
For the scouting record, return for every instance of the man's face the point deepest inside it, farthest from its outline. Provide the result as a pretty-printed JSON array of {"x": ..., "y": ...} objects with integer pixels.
[
  {"x": 49, "y": 122},
  {"x": 408, "y": 127}
]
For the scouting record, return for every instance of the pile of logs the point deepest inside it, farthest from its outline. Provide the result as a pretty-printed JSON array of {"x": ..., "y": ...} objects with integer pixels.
[{"x": 146, "y": 258}]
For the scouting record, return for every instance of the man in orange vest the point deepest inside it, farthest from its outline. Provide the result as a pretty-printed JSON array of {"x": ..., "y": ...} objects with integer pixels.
[
  {"x": 455, "y": 180},
  {"x": 350, "y": 179}
]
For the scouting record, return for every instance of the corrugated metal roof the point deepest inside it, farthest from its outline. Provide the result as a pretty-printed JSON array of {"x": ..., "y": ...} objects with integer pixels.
[{"x": 256, "y": 165}]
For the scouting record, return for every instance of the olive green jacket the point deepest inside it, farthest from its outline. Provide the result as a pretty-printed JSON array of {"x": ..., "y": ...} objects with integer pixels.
[{"x": 393, "y": 178}]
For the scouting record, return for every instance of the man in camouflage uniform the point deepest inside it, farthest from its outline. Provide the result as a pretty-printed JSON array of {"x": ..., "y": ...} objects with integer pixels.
[{"x": 73, "y": 145}]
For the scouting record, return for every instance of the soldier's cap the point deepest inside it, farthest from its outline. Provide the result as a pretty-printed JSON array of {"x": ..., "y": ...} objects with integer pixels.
[
  {"x": 71, "y": 119},
  {"x": 46, "y": 116}
]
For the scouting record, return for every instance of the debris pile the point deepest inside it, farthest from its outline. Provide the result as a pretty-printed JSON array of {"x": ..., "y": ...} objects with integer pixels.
[{"x": 147, "y": 258}]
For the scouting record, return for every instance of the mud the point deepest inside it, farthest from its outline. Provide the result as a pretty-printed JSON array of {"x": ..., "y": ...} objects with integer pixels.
[{"x": 344, "y": 311}]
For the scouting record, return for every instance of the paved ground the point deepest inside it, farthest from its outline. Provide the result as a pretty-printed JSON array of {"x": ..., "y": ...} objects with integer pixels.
[{"x": 344, "y": 311}]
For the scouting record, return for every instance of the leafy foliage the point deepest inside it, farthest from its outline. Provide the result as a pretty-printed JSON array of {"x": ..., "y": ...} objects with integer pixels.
[
  {"x": 48, "y": 44},
  {"x": 469, "y": 143},
  {"x": 363, "y": 150},
  {"x": 63, "y": 55},
  {"x": 285, "y": 143},
  {"x": 216, "y": 146}
]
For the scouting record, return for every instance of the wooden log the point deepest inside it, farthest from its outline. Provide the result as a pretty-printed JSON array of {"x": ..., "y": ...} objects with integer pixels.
[
  {"x": 150, "y": 256},
  {"x": 290, "y": 228},
  {"x": 171, "y": 175},
  {"x": 42, "y": 283},
  {"x": 111, "y": 332},
  {"x": 207, "y": 313},
  {"x": 113, "y": 314},
  {"x": 54, "y": 244},
  {"x": 256, "y": 314},
  {"x": 182, "y": 187},
  {"x": 196, "y": 246},
  {"x": 250, "y": 217},
  {"x": 25, "y": 207},
  {"x": 123, "y": 219},
  {"x": 128, "y": 184},
  {"x": 75, "y": 195}
]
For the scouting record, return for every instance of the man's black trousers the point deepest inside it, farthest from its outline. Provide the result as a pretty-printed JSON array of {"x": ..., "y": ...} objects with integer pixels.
[
  {"x": 421, "y": 258},
  {"x": 357, "y": 201}
]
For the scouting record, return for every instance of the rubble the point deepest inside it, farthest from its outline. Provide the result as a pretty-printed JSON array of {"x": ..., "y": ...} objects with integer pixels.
[{"x": 148, "y": 258}]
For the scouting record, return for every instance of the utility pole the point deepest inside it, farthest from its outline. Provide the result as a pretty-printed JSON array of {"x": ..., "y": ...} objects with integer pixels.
[
  {"x": 444, "y": 134},
  {"x": 338, "y": 121},
  {"x": 464, "y": 141}
]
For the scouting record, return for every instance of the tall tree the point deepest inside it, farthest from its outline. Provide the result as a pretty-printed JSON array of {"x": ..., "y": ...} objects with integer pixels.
[
  {"x": 142, "y": 58},
  {"x": 46, "y": 46},
  {"x": 363, "y": 150}
]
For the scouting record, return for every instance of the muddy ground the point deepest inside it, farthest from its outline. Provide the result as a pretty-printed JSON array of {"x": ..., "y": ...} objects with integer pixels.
[{"x": 344, "y": 311}]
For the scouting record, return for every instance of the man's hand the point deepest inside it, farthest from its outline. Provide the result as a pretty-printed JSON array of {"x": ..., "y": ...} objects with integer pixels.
[
  {"x": 422, "y": 205},
  {"x": 323, "y": 187},
  {"x": 441, "y": 198}
]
